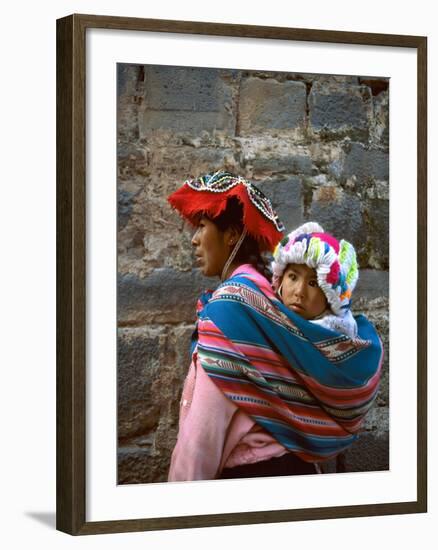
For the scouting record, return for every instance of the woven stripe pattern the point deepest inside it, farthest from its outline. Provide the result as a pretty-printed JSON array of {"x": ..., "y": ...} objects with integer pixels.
[{"x": 308, "y": 386}]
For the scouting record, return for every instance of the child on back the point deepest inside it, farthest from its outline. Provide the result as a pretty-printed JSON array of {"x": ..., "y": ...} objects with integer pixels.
[{"x": 315, "y": 275}]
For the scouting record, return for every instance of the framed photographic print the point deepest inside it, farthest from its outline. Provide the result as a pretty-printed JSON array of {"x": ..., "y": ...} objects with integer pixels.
[{"x": 331, "y": 127}]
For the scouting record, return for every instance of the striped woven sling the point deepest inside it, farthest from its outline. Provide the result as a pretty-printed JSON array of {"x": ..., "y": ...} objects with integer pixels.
[{"x": 308, "y": 386}]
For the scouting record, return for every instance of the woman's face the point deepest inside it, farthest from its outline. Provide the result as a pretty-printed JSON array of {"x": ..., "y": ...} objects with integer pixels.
[
  {"x": 212, "y": 247},
  {"x": 301, "y": 293}
]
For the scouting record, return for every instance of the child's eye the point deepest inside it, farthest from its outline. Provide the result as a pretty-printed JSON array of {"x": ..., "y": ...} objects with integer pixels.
[
  {"x": 292, "y": 276},
  {"x": 313, "y": 283}
]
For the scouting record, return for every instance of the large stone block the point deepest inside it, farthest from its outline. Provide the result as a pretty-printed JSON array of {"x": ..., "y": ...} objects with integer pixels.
[
  {"x": 286, "y": 199},
  {"x": 165, "y": 296},
  {"x": 339, "y": 111},
  {"x": 365, "y": 164},
  {"x": 137, "y": 366},
  {"x": 188, "y": 100},
  {"x": 150, "y": 380},
  {"x": 182, "y": 88},
  {"x": 345, "y": 213},
  {"x": 372, "y": 283},
  {"x": 266, "y": 104},
  {"x": 340, "y": 213}
]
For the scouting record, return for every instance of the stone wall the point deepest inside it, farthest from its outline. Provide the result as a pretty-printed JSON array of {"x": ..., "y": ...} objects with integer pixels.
[{"x": 316, "y": 145}]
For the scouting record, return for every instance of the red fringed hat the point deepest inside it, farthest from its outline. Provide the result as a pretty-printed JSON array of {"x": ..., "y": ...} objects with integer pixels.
[{"x": 208, "y": 195}]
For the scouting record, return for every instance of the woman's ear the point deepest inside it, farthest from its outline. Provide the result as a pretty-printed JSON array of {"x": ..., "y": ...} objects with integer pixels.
[{"x": 232, "y": 235}]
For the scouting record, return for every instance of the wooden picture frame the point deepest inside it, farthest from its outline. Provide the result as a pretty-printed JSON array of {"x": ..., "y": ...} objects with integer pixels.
[{"x": 71, "y": 273}]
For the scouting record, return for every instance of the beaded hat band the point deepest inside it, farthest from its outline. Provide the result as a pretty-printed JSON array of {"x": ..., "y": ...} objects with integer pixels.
[
  {"x": 334, "y": 261},
  {"x": 208, "y": 195}
]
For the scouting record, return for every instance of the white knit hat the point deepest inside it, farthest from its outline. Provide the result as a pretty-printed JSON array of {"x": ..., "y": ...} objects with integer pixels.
[{"x": 334, "y": 261}]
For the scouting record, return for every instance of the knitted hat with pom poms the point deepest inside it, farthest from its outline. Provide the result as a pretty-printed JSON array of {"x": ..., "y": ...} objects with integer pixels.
[{"x": 334, "y": 261}]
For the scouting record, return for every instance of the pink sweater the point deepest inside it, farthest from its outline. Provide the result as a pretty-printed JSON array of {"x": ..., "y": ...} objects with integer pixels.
[{"x": 213, "y": 432}]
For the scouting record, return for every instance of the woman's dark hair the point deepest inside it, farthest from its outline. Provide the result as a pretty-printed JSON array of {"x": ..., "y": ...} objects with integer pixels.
[{"x": 249, "y": 251}]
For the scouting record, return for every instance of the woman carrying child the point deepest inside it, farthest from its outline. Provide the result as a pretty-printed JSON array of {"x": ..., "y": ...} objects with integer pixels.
[{"x": 270, "y": 390}]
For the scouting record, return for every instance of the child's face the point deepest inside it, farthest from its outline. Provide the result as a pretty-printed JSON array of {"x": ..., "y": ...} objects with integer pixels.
[{"x": 301, "y": 293}]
